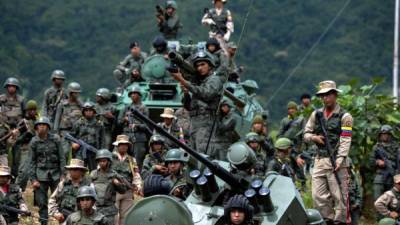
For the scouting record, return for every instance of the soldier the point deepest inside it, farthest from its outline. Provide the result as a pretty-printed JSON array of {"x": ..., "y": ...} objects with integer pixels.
[
  {"x": 220, "y": 21},
  {"x": 258, "y": 126},
  {"x": 387, "y": 205},
  {"x": 305, "y": 102},
  {"x": 225, "y": 133},
  {"x": 330, "y": 182},
  {"x": 220, "y": 58},
  {"x": 154, "y": 161},
  {"x": 12, "y": 105},
  {"x": 160, "y": 46},
  {"x": 156, "y": 184},
  {"x": 54, "y": 95},
  {"x": 242, "y": 160},
  {"x": 10, "y": 195},
  {"x": 168, "y": 21},
  {"x": 175, "y": 160},
  {"x": 201, "y": 98},
  {"x": 137, "y": 131},
  {"x": 169, "y": 124},
  {"x": 183, "y": 121},
  {"x": 384, "y": 158},
  {"x": 263, "y": 158},
  {"x": 355, "y": 194},
  {"x": 90, "y": 130},
  {"x": 62, "y": 202},
  {"x": 47, "y": 161},
  {"x": 107, "y": 113},
  {"x": 6, "y": 140},
  {"x": 126, "y": 166},
  {"x": 107, "y": 183},
  {"x": 86, "y": 213},
  {"x": 20, "y": 166},
  {"x": 238, "y": 211},
  {"x": 134, "y": 60},
  {"x": 135, "y": 77},
  {"x": 282, "y": 162}
]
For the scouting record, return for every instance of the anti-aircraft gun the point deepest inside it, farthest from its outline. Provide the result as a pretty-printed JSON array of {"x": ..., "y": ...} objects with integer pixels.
[{"x": 275, "y": 198}]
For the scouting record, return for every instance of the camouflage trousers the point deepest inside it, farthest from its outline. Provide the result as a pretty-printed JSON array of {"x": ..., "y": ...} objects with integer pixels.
[
  {"x": 200, "y": 129},
  {"x": 21, "y": 165},
  {"x": 4, "y": 159},
  {"x": 123, "y": 203},
  {"x": 41, "y": 197},
  {"x": 328, "y": 198},
  {"x": 110, "y": 212}
]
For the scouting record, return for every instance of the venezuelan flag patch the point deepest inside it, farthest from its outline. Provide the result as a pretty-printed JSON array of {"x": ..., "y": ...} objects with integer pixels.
[{"x": 346, "y": 132}]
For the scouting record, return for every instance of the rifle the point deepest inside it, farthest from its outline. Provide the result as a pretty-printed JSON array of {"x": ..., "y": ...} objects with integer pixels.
[
  {"x": 65, "y": 212},
  {"x": 389, "y": 171},
  {"x": 144, "y": 128},
  {"x": 55, "y": 105},
  {"x": 15, "y": 210},
  {"x": 160, "y": 13},
  {"x": 22, "y": 127},
  {"x": 84, "y": 147}
]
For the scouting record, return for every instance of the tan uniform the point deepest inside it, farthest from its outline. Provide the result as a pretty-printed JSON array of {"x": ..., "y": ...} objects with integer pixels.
[
  {"x": 328, "y": 197},
  {"x": 387, "y": 202}
]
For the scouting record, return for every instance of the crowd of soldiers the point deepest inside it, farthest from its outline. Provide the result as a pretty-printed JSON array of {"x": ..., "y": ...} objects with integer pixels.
[{"x": 91, "y": 154}]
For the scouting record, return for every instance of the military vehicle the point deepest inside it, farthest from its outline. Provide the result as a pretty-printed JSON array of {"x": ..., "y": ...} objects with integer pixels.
[
  {"x": 159, "y": 90},
  {"x": 275, "y": 199}
]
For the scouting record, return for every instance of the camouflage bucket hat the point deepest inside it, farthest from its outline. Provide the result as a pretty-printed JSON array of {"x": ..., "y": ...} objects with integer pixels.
[
  {"x": 122, "y": 139},
  {"x": 327, "y": 86},
  {"x": 168, "y": 113},
  {"x": 5, "y": 171},
  {"x": 76, "y": 164}
]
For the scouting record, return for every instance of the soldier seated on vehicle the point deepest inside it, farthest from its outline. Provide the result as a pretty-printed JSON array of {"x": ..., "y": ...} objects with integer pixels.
[
  {"x": 238, "y": 211},
  {"x": 11, "y": 196},
  {"x": 282, "y": 163},
  {"x": 154, "y": 161},
  {"x": 387, "y": 205},
  {"x": 175, "y": 160},
  {"x": 252, "y": 140},
  {"x": 86, "y": 213},
  {"x": 135, "y": 76},
  {"x": 220, "y": 58},
  {"x": 160, "y": 46}
]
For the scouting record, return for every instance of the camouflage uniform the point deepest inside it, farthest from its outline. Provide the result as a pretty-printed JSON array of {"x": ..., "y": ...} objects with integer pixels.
[
  {"x": 183, "y": 121},
  {"x": 149, "y": 162},
  {"x": 77, "y": 218},
  {"x": 261, "y": 156},
  {"x": 52, "y": 97},
  {"x": 355, "y": 195},
  {"x": 13, "y": 108},
  {"x": 221, "y": 60},
  {"x": 125, "y": 67},
  {"x": 170, "y": 24},
  {"x": 47, "y": 166},
  {"x": 4, "y": 130},
  {"x": 388, "y": 202}
]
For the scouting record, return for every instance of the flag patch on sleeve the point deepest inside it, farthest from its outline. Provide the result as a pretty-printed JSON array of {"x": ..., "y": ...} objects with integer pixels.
[{"x": 346, "y": 132}]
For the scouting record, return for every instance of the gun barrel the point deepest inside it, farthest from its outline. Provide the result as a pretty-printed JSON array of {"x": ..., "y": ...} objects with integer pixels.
[
  {"x": 215, "y": 168},
  {"x": 177, "y": 58},
  {"x": 238, "y": 102}
]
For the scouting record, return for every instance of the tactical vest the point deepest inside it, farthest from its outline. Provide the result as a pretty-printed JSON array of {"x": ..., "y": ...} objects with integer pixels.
[
  {"x": 46, "y": 153},
  {"x": 4, "y": 130},
  {"x": 333, "y": 127},
  {"x": 97, "y": 218},
  {"x": 220, "y": 20},
  {"x": 53, "y": 98},
  {"x": 70, "y": 114},
  {"x": 69, "y": 193},
  {"x": 104, "y": 188},
  {"x": 124, "y": 168},
  {"x": 12, "y": 108},
  {"x": 89, "y": 131},
  {"x": 12, "y": 198}
]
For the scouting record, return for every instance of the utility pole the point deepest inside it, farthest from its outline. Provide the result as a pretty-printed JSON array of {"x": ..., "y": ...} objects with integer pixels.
[{"x": 396, "y": 53}]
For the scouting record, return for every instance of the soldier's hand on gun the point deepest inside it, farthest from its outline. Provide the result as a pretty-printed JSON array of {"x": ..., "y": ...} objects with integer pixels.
[
  {"x": 318, "y": 139},
  {"x": 15, "y": 132},
  {"x": 116, "y": 181},
  {"x": 300, "y": 162},
  {"x": 394, "y": 215},
  {"x": 162, "y": 169},
  {"x": 184, "y": 89},
  {"x": 59, "y": 217},
  {"x": 75, "y": 146},
  {"x": 35, "y": 184},
  {"x": 380, "y": 163},
  {"x": 177, "y": 76},
  {"x": 109, "y": 115}
]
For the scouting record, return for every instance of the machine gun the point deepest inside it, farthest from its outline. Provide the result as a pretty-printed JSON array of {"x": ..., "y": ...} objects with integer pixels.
[
  {"x": 389, "y": 171},
  {"x": 84, "y": 147}
]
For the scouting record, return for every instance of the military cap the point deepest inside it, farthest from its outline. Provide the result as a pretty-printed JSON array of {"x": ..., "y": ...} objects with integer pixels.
[
  {"x": 327, "y": 86},
  {"x": 258, "y": 119},
  {"x": 58, "y": 74},
  {"x": 283, "y": 143},
  {"x": 396, "y": 178},
  {"x": 12, "y": 81},
  {"x": 31, "y": 104},
  {"x": 292, "y": 105}
]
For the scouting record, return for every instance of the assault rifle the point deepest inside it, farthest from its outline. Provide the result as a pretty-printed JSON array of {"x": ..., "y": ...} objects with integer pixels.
[
  {"x": 84, "y": 147},
  {"x": 389, "y": 170}
]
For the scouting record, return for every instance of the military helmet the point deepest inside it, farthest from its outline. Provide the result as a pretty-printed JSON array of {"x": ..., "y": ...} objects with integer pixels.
[
  {"x": 171, "y": 4},
  {"x": 252, "y": 137},
  {"x": 86, "y": 191},
  {"x": 104, "y": 93},
  {"x": 31, "y": 104},
  {"x": 74, "y": 87},
  {"x": 43, "y": 120},
  {"x": 203, "y": 56},
  {"x": 134, "y": 89},
  {"x": 387, "y": 221},
  {"x": 176, "y": 154},
  {"x": 156, "y": 185},
  {"x": 58, "y": 74},
  {"x": 241, "y": 156},
  {"x": 386, "y": 129},
  {"x": 159, "y": 42},
  {"x": 213, "y": 41},
  {"x": 159, "y": 209},
  {"x": 258, "y": 119},
  {"x": 89, "y": 105},
  {"x": 228, "y": 102},
  {"x": 12, "y": 81},
  {"x": 156, "y": 138},
  {"x": 239, "y": 202},
  {"x": 314, "y": 217},
  {"x": 283, "y": 144},
  {"x": 104, "y": 154},
  {"x": 292, "y": 105}
]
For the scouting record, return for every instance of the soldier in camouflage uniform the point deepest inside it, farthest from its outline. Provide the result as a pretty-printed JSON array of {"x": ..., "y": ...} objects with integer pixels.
[
  {"x": 183, "y": 121},
  {"x": 90, "y": 130},
  {"x": 54, "y": 95},
  {"x": 135, "y": 76},
  {"x": 263, "y": 158},
  {"x": 62, "y": 202},
  {"x": 220, "y": 58},
  {"x": 20, "y": 166},
  {"x": 220, "y": 21},
  {"x": 10, "y": 195},
  {"x": 12, "y": 105},
  {"x": 225, "y": 133},
  {"x": 258, "y": 126},
  {"x": 47, "y": 161},
  {"x": 137, "y": 131},
  {"x": 134, "y": 60},
  {"x": 201, "y": 98},
  {"x": 175, "y": 160},
  {"x": 5, "y": 144},
  {"x": 384, "y": 158},
  {"x": 154, "y": 161},
  {"x": 126, "y": 166},
  {"x": 243, "y": 161},
  {"x": 107, "y": 183},
  {"x": 388, "y": 204},
  {"x": 355, "y": 194},
  {"x": 86, "y": 213},
  {"x": 168, "y": 22},
  {"x": 160, "y": 46},
  {"x": 238, "y": 211},
  {"x": 107, "y": 113},
  {"x": 282, "y": 162},
  {"x": 169, "y": 124}
]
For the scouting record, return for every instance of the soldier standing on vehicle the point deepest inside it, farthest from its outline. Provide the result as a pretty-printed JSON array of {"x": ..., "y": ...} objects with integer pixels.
[
  {"x": 201, "y": 98},
  {"x": 387, "y": 205},
  {"x": 137, "y": 131},
  {"x": 330, "y": 180},
  {"x": 220, "y": 58},
  {"x": 134, "y": 60},
  {"x": 47, "y": 161},
  {"x": 86, "y": 213},
  {"x": 107, "y": 184},
  {"x": 220, "y": 21},
  {"x": 10, "y": 195},
  {"x": 175, "y": 160},
  {"x": 238, "y": 211},
  {"x": 62, "y": 201},
  {"x": 89, "y": 129},
  {"x": 107, "y": 113},
  {"x": 383, "y": 158},
  {"x": 135, "y": 77},
  {"x": 154, "y": 161},
  {"x": 168, "y": 20},
  {"x": 54, "y": 95},
  {"x": 12, "y": 105},
  {"x": 169, "y": 124}
]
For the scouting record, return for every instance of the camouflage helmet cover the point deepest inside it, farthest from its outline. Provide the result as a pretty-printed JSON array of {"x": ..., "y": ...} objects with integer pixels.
[
  {"x": 252, "y": 137},
  {"x": 204, "y": 56}
]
